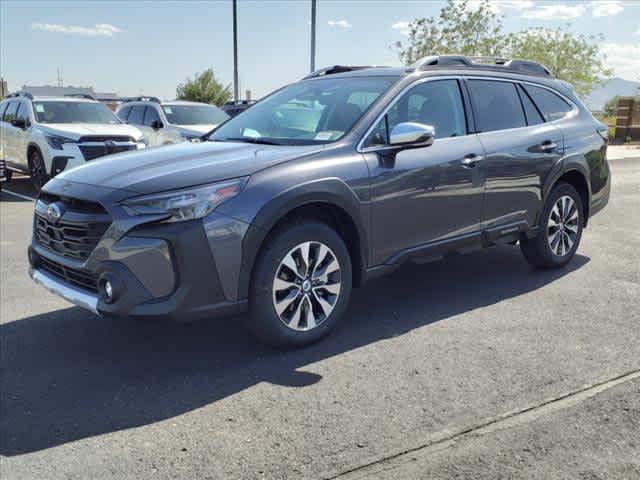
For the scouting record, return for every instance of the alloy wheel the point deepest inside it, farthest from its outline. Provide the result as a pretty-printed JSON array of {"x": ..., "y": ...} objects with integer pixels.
[
  {"x": 306, "y": 286},
  {"x": 563, "y": 226}
]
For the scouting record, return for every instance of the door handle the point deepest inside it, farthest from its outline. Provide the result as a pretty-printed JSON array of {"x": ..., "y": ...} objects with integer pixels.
[
  {"x": 548, "y": 145},
  {"x": 471, "y": 160}
]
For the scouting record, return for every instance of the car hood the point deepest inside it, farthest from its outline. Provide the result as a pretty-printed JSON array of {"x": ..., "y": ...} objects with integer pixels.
[
  {"x": 77, "y": 130},
  {"x": 182, "y": 165}
]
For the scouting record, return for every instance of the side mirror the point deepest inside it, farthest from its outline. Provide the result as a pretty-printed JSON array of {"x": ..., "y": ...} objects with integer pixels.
[
  {"x": 19, "y": 123},
  {"x": 412, "y": 135},
  {"x": 156, "y": 124}
]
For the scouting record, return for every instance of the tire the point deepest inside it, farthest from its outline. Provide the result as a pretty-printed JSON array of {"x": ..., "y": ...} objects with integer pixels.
[
  {"x": 315, "y": 300},
  {"x": 37, "y": 170},
  {"x": 559, "y": 229}
]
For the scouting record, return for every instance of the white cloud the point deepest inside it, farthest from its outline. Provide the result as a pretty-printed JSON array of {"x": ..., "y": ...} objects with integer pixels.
[
  {"x": 402, "y": 27},
  {"x": 339, "y": 23},
  {"x": 496, "y": 6},
  {"x": 609, "y": 8},
  {"x": 638, "y": 31},
  {"x": 559, "y": 11},
  {"x": 624, "y": 59},
  {"x": 99, "y": 29}
]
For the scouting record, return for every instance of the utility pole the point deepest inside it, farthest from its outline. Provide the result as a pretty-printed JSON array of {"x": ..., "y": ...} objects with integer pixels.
[
  {"x": 313, "y": 35},
  {"x": 59, "y": 78},
  {"x": 235, "y": 50}
]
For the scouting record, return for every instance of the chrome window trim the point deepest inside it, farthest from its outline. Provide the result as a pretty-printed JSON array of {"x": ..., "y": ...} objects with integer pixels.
[{"x": 360, "y": 149}]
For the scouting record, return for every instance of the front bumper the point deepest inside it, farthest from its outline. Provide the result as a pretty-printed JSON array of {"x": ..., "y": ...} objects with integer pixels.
[
  {"x": 77, "y": 296},
  {"x": 181, "y": 271}
]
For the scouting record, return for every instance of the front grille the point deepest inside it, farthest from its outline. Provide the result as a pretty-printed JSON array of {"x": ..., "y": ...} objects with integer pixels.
[
  {"x": 75, "y": 205},
  {"x": 78, "y": 278},
  {"x": 106, "y": 138},
  {"x": 77, "y": 232},
  {"x": 91, "y": 152}
]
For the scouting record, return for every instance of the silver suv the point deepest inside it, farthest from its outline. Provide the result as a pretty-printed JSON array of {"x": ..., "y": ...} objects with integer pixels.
[
  {"x": 42, "y": 136},
  {"x": 164, "y": 123}
]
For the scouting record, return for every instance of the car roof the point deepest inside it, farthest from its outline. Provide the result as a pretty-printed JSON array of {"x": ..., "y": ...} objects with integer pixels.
[
  {"x": 476, "y": 71},
  {"x": 187, "y": 102},
  {"x": 45, "y": 98}
]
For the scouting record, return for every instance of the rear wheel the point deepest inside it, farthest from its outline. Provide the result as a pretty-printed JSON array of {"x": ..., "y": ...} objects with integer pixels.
[
  {"x": 559, "y": 231},
  {"x": 301, "y": 285},
  {"x": 37, "y": 169}
]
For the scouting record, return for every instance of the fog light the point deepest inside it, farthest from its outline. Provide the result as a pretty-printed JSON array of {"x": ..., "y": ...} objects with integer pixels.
[
  {"x": 108, "y": 290},
  {"x": 109, "y": 287}
]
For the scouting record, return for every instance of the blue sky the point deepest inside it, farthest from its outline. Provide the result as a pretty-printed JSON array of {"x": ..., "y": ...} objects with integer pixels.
[{"x": 149, "y": 47}]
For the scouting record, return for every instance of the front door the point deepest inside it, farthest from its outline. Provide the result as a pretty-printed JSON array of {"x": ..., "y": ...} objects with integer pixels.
[{"x": 423, "y": 196}]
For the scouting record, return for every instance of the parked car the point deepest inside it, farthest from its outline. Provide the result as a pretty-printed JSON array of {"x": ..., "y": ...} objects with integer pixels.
[
  {"x": 164, "y": 123},
  {"x": 43, "y": 136},
  {"x": 233, "y": 108},
  {"x": 282, "y": 215}
]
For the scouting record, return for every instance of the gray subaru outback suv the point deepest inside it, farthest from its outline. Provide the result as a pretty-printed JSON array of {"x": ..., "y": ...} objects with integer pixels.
[{"x": 322, "y": 185}]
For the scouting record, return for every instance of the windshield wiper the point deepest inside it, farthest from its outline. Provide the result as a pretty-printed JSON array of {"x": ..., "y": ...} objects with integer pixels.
[{"x": 261, "y": 141}]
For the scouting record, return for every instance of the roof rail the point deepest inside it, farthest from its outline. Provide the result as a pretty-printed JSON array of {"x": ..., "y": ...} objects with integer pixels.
[
  {"x": 142, "y": 99},
  {"x": 19, "y": 94},
  {"x": 81, "y": 95},
  {"x": 339, "y": 69},
  {"x": 441, "y": 60},
  {"x": 525, "y": 67}
]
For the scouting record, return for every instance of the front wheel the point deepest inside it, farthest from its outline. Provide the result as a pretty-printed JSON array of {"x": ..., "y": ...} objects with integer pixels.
[
  {"x": 301, "y": 285},
  {"x": 559, "y": 230},
  {"x": 38, "y": 171}
]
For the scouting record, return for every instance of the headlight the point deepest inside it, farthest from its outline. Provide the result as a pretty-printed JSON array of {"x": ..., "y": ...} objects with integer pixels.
[
  {"x": 187, "y": 204},
  {"x": 56, "y": 141}
]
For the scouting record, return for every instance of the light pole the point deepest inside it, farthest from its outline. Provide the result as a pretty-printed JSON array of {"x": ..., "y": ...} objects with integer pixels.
[
  {"x": 313, "y": 35},
  {"x": 235, "y": 50}
]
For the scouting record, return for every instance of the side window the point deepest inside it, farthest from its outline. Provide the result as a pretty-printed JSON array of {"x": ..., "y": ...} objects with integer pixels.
[
  {"x": 530, "y": 110},
  {"x": 3, "y": 107},
  {"x": 123, "y": 113},
  {"x": 136, "y": 115},
  {"x": 551, "y": 105},
  {"x": 437, "y": 103},
  {"x": 10, "y": 112},
  {"x": 23, "y": 113},
  {"x": 497, "y": 105},
  {"x": 151, "y": 116}
]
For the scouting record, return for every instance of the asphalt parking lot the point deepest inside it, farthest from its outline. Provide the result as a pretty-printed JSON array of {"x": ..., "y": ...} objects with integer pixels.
[{"x": 471, "y": 367}]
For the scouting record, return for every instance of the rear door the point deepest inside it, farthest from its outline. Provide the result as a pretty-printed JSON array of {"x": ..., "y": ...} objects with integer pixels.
[
  {"x": 3, "y": 132},
  {"x": 9, "y": 134},
  {"x": 520, "y": 148}
]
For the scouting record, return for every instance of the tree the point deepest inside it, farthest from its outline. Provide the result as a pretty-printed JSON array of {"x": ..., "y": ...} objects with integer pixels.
[
  {"x": 459, "y": 29},
  {"x": 611, "y": 107},
  {"x": 204, "y": 88},
  {"x": 479, "y": 31},
  {"x": 573, "y": 58}
]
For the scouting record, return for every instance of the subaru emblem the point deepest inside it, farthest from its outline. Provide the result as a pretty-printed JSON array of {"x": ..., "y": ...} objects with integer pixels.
[{"x": 54, "y": 212}]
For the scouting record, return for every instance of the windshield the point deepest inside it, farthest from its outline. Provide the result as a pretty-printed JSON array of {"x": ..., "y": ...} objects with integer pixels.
[
  {"x": 73, "y": 112},
  {"x": 317, "y": 111},
  {"x": 194, "y": 114}
]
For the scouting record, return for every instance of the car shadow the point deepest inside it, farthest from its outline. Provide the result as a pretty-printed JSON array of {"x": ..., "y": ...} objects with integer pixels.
[{"x": 67, "y": 375}]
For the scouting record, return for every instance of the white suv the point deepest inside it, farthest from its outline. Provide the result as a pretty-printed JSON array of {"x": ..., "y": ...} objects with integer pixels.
[
  {"x": 42, "y": 136},
  {"x": 177, "y": 121}
]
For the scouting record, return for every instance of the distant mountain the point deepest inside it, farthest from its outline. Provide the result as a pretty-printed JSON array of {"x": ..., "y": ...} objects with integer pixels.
[{"x": 616, "y": 86}]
